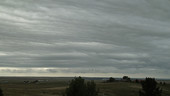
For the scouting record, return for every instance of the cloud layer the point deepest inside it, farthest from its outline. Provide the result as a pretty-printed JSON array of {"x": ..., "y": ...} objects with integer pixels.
[{"x": 89, "y": 37}]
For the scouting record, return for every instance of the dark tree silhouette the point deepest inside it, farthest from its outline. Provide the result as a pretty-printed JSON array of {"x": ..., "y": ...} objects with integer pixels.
[
  {"x": 137, "y": 81},
  {"x": 111, "y": 79},
  {"x": 149, "y": 88},
  {"x": 161, "y": 83},
  {"x": 1, "y": 92},
  {"x": 78, "y": 87},
  {"x": 126, "y": 78},
  {"x": 91, "y": 89}
]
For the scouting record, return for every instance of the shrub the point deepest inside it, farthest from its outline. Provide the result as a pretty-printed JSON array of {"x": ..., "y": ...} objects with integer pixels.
[
  {"x": 126, "y": 79},
  {"x": 137, "y": 81},
  {"x": 149, "y": 88},
  {"x": 78, "y": 87},
  {"x": 1, "y": 92},
  {"x": 111, "y": 79}
]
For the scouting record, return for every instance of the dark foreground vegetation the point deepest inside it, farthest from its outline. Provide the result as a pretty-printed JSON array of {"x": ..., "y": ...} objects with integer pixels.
[
  {"x": 60, "y": 87},
  {"x": 78, "y": 87},
  {"x": 150, "y": 88}
]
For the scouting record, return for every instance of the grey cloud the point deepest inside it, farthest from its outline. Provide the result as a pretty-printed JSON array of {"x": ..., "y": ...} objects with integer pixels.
[{"x": 130, "y": 36}]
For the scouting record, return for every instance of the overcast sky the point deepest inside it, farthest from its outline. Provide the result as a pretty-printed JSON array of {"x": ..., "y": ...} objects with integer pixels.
[{"x": 85, "y": 37}]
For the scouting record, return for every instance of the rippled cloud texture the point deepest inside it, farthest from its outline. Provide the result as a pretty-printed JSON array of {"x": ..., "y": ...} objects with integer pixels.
[{"x": 85, "y": 37}]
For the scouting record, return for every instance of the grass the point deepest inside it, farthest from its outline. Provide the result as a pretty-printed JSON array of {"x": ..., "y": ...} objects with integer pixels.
[
  {"x": 126, "y": 89},
  {"x": 57, "y": 87},
  {"x": 119, "y": 89},
  {"x": 44, "y": 89}
]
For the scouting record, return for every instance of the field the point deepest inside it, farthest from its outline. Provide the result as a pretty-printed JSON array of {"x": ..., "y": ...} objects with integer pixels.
[{"x": 56, "y": 86}]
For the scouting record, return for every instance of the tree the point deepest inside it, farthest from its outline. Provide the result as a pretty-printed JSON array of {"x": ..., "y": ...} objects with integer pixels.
[
  {"x": 78, "y": 87},
  {"x": 91, "y": 89},
  {"x": 111, "y": 79},
  {"x": 137, "y": 81},
  {"x": 126, "y": 78},
  {"x": 149, "y": 88},
  {"x": 1, "y": 92}
]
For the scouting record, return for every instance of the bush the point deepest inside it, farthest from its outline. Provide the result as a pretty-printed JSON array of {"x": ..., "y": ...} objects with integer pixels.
[
  {"x": 111, "y": 79},
  {"x": 126, "y": 79},
  {"x": 78, "y": 87},
  {"x": 1, "y": 92},
  {"x": 137, "y": 81},
  {"x": 149, "y": 88},
  {"x": 91, "y": 89}
]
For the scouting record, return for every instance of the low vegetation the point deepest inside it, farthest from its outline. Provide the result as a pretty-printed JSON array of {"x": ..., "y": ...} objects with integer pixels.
[
  {"x": 111, "y": 79},
  {"x": 150, "y": 88},
  {"x": 78, "y": 87},
  {"x": 56, "y": 87},
  {"x": 1, "y": 92}
]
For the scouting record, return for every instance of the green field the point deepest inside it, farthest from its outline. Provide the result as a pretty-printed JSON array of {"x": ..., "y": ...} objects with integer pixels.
[{"x": 56, "y": 86}]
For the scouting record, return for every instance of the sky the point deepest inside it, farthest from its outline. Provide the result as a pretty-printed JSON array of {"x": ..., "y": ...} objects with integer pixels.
[{"x": 92, "y": 38}]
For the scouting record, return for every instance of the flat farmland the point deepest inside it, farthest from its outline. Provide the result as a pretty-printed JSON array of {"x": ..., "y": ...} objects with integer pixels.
[{"x": 16, "y": 86}]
